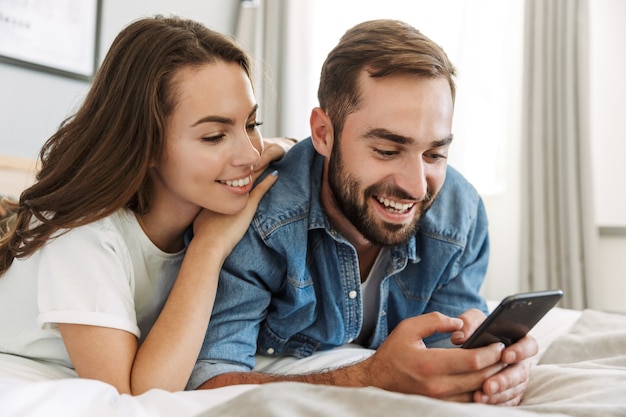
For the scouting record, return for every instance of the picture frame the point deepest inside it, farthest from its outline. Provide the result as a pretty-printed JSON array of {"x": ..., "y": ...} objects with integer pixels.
[{"x": 55, "y": 36}]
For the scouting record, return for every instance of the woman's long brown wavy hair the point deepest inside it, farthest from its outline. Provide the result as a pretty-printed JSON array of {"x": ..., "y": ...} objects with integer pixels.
[{"x": 99, "y": 159}]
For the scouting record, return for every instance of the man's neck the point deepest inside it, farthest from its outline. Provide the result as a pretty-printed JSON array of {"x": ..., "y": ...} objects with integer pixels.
[{"x": 367, "y": 251}]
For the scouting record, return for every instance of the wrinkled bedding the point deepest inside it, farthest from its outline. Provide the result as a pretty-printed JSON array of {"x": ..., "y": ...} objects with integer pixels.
[{"x": 580, "y": 371}]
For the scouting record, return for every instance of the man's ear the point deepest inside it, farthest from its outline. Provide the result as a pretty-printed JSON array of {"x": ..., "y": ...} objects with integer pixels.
[{"x": 321, "y": 131}]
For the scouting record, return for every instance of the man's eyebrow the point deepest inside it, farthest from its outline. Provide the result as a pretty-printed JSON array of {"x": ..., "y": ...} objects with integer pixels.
[
  {"x": 442, "y": 142},
  {"x": 404, "y": 140},
  {"x": 222, "y": 119}
]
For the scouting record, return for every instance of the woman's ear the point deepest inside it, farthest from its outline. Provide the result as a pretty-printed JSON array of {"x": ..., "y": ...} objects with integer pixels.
[{"x": 321, "y": 132}]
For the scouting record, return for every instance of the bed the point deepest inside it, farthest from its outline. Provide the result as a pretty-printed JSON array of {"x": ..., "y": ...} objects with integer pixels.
[{"x": 579, "y": 371}]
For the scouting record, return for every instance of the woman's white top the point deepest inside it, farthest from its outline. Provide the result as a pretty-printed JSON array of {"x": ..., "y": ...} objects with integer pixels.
[{"x": 107, "y": 273}]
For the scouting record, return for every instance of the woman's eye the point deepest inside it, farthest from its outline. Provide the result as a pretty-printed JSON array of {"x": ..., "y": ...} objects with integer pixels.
[
  {"x": 253, "y": 125},
  {"x": 213, "y": 139}
]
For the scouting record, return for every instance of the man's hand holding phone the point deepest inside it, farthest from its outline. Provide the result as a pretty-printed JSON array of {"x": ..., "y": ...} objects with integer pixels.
[
  {"x": 506, "y": 387},
  {"x": 508, "y": 324}
]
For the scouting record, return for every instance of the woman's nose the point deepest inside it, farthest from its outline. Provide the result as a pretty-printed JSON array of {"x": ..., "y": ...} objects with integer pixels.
[{"x": 247, "y": 152}]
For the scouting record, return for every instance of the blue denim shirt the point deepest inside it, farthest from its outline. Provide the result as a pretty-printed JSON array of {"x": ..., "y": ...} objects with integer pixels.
[{"x": 292, "y": 285}]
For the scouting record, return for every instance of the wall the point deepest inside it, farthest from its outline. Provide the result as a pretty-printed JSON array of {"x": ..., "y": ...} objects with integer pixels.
[
  {"x": 34, "y": 103},
  {"x": 608, "y": 138},
  {"x": 608, "y": 90}
]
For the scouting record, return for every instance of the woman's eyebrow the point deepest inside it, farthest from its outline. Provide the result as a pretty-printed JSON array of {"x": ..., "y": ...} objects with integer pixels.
[
  {"x": 222, "y": 119},
  {"x": 214, "y": 119}
]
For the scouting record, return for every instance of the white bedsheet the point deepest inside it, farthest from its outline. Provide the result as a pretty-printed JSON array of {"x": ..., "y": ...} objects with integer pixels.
[{"x": 580, "y": 371}]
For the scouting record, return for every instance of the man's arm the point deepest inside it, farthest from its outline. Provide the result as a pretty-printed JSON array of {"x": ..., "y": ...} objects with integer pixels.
[
  {"x": 240, "y": 306},
  {"x": 402, "y": 364}
]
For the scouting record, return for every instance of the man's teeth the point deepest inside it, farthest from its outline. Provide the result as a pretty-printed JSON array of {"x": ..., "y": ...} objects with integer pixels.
[
  {"x": 237, "y": 183},
  {"x": 390, "y": 204}
]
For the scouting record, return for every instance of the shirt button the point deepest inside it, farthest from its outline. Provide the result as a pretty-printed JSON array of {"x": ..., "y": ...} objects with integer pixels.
[
  {"x": 383, "y": 313},
  {"x": 352, "y": 294},
  {"x": 270, "y": 351}
]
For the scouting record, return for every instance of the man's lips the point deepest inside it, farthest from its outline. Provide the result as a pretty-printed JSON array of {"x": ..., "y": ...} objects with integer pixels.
[{"x": 394, "y": 206}]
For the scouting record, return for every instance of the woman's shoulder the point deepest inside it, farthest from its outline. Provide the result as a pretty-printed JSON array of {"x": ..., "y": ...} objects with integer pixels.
[{"x": 109, "y": 230}]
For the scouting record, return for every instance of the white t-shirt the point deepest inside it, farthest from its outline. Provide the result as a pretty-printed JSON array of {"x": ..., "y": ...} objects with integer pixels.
[
  {"x": 370, "y": 294},
  {"x": 107, "y": 273}
]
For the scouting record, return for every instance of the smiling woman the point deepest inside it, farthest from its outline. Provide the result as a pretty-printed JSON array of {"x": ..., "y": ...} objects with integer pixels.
[
  {"x": 94, "y": 274},
  {"x": 214, "y": 143}
]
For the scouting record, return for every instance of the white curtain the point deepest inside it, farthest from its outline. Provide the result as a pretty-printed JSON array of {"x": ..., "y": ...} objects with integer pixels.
[
  {"x": 558, "y": 231},
  {"x": 250, "y": 31},
  {"x": 271, "y": 31}
]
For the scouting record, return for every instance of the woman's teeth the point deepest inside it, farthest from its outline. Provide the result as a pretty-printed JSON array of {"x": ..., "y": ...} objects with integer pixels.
[
  {"x": 237, "y": 183},
  {"x": 394, "y": 205}
]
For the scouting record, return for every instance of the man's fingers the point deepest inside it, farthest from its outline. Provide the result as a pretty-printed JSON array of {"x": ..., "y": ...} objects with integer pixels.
[
  {"x": 506, "y": 387},
  {"x": 525, "y": 348},
  {"x": 510, "y": 397},
  {"x": 466, "y": 397},
  {"x": 428, "y": 324},
  {"x": 472, "y": 318},
  {"x": 512, "y": 376}
]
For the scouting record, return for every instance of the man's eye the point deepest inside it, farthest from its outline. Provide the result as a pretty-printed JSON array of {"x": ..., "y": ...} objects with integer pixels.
[
  {"x": 436, "y": 156},
  {"x": 385, "y": 153}
]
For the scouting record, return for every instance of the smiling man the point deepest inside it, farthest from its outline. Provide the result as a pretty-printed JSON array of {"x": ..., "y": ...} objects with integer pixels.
[{"x": 368, "y": 238}]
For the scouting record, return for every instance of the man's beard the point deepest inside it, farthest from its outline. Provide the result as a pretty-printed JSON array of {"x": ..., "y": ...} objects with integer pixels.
[{"x": 345, "y": 191}]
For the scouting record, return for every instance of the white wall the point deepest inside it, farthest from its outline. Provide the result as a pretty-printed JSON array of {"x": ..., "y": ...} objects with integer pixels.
[
  {"x": 34, "y": 103},
  {"x": 608, "y": 113}
]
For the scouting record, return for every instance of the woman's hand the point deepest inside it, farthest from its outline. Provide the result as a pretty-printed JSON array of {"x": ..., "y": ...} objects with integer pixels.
[
  {"x": 232, "y": 227},
  {"x": 272, "y": 150},
  {"x": 229, "y": 227}
]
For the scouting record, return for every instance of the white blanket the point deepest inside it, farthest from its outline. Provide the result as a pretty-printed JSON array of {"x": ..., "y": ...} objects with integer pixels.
[{"x": 581, "y": 371}]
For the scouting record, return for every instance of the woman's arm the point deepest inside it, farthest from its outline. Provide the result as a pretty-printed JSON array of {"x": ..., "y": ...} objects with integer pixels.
[{"x": 166, "y": 357}]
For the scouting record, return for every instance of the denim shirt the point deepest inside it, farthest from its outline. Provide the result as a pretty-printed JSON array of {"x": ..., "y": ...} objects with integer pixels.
[{"x": 292, "y": 285}]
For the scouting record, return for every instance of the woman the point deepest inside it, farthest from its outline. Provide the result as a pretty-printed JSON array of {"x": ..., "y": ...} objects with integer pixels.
[{"x": 92, "y": 270}]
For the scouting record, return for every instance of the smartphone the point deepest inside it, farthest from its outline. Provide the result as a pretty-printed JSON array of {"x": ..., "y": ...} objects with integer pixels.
[{"x": 513, "y": 318}]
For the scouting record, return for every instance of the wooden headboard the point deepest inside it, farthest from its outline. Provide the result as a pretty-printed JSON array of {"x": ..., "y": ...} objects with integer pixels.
[{"x": 16, "y": 174}]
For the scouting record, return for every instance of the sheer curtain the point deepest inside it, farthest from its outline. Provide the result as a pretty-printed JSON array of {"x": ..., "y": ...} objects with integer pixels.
[
  {"x": 558, "y": 233},
  {"x": 276, "y": 33},
  {"x": 253, "y": 30}
]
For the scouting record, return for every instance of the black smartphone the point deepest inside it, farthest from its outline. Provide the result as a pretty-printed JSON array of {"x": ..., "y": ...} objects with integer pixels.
[{"x": 513, "y": 318}]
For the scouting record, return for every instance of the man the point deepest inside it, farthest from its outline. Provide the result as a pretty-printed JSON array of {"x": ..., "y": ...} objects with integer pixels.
[{"x": 368, "y": 237}]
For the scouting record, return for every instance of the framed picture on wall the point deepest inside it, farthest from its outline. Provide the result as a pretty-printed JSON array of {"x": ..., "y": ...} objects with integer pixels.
[{"x": 57, "y": 36}]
